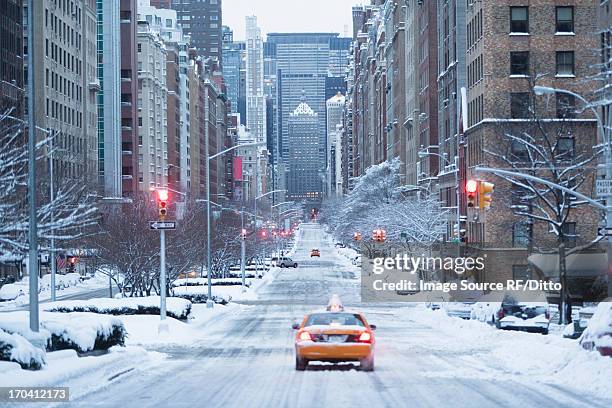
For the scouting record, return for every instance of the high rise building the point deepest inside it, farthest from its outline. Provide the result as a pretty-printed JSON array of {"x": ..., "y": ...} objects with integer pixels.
[
  {"x": 305, "y": 176},
  {"x": 335, "y": 113},
  {"x": 303, "y": 65},
  {"x": 202, "y": 21},
  {"x": 232, "y": 63},
  {"x": 11, "y": 57},
  {"x": 152, "y": 104},
  {"x": 256, "y": 99},
  {"x": 66, "y": 83},
  {"x": 110, "y": 102}
]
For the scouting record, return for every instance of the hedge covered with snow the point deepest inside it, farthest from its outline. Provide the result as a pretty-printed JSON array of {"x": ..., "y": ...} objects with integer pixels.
[
  {"x": 215, "y": 282},
  {"x": 14, "y": 347},
  {"x": 199, "y": 294},
  {"x": 176, "y": 308},
  {"x": 82, "y": 332}
]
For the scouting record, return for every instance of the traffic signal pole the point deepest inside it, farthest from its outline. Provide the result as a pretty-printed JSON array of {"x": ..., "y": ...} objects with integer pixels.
[
  {"x": 242, "y": 250},
  {"x": 162, "y": 277}
]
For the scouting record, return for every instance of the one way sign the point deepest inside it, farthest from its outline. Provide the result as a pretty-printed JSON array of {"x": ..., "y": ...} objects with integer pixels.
[{"x": 162, "y": 225}]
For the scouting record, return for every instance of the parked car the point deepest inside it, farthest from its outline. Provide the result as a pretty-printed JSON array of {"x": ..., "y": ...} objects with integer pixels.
[
  {"x": 598, "y": 334},
  {"x": 356, "y": 261},
  {"x": 462, "y": 310},
  {"x": 340, "y": 245},
  {"x": 579, "y": 324},
  {"x": 286, "y": 262},
  {"x": 527, "y": 316}
]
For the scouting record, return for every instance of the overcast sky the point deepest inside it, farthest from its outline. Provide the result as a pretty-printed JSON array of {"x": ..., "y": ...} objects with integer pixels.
[{"x": 290, "y": 15}]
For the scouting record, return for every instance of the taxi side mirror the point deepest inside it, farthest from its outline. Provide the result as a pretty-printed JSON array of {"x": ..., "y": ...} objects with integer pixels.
[
  {"x": 295, "y": 326},
  {"x": 373, "y": 326}
]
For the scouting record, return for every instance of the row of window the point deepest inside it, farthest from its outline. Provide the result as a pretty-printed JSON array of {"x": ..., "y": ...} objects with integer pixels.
[
  {"x": 63, "y": 113},
  {"x": 519, "y": 19},
  {"x": 564, "y": 63},
  {"x": 521, "y": 105},
  {"x": 63, "y": 30},
  {"x": 61, "y": 56}
]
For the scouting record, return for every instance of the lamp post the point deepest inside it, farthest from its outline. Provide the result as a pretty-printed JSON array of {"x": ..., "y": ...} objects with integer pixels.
[
  {"x": 424, "y": 153},
  {"x": 265, "y": 195},
  {"x": 209, "y": 302}
]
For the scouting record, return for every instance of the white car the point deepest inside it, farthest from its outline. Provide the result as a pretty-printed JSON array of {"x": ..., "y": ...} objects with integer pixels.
[{"x": 459, "y": 309}]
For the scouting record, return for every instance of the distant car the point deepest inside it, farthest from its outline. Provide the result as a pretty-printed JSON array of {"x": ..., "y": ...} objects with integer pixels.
[
  {"x": 315, "y": 252},
  {"x": 579, "y": 324},
  {"x": 462, "y": 310},
  {"x": 529, "y": 316},
  {"x": 339, "y": 245},
  {"x": 598, "y": 334},
  {"x": 286, "y": 262},
  {"x": 334, "y": 335}
]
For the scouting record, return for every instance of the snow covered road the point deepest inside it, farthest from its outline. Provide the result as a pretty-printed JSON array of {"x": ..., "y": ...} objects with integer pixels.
[{"x": 246, "y": 358}]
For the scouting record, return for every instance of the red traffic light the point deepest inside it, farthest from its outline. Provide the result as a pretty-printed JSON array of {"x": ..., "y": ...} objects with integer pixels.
[
  {"x": 264, "y": 233},
  {"x": 162, "y": 195},
  {"x": 471, "y": 186}
]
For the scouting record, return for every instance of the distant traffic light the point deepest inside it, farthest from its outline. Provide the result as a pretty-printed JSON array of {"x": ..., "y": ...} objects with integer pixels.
[
  {"x": 357, "y": 236},
  {"x": 243, "y": 233},
  {"x": 485, "y": 194},
  {"x": 264, "y": 233},
  {"x": 471, "y": 189},
  {"x": 379, "y": 235},
  {"x": 162, "y": 203}
]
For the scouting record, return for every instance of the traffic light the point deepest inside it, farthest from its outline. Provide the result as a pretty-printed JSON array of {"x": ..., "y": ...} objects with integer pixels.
[
  {"x": 162, "y": 203},
  {"x": 243, "y": 233},
  {"x": 357, "y": 236},
  {"x": 379, "y": 235},
  {"x": 485, "y": 194},
  {"x": 264, "y": 233},
  {"x": 471, "y": 189}
]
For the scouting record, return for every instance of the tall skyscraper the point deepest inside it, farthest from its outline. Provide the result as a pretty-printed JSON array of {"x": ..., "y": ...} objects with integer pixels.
[
  {"x": 305, "y": 177},
  {"x": 66, "y": 83},
  {"x": 202, "y": 20},
  {"x": 232, "y": 61},
  {"x": 256, "y": 99},
  {"x": 109, "y": 97},
  {"x": 303, "y": 66},
  {"x": 335, "y": 112}
]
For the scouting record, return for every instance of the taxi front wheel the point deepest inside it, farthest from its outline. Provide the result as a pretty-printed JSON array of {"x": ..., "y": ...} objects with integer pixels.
[
  {"x": 300, "y": 364},
  {"x": 367, "y": 364}
]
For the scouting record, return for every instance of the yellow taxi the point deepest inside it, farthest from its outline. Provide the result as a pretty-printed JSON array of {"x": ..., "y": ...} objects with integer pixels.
[
  {"x": 334, "y": 335},
  {"x": 315, "y": 252}
]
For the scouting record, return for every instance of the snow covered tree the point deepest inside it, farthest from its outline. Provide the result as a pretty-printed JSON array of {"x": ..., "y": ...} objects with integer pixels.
[{"x": 66, "y": 218}]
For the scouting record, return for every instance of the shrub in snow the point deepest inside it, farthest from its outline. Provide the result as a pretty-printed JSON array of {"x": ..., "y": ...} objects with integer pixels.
[
  {"x": 176, "y": 308},
  {"x": 204, "y": 282},
  {"x": 199, "y": 298},
  {"x": 14, "y": 347},
  {"x": 10, "y": 292}
]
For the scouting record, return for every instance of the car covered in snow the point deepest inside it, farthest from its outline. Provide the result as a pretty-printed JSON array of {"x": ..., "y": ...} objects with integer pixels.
[
  {"x": 527, "y": 316},
  {"x": 334, "y": 335},
  {"x": 598, "y": 334},
  {"x": 462, "y": 310}
]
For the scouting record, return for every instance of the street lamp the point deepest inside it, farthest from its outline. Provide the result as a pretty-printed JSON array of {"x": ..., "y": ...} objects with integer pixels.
[
  {"x": 424, "y": 153},
  {"x": 209, "y": 302}
]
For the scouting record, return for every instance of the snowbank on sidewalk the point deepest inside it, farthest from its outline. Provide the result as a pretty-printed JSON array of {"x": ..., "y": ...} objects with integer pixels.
[
  {"x": 176, "y": 308},
  {"x": 546, "y": 359}
]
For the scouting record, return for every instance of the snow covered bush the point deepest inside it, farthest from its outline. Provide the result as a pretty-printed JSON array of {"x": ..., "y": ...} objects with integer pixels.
[
  {"x": 199, "y": 294},
  {"x": 14, "y": 347},
  {"x": 10, "y": 292},
  {"x": 215, "y": 282},
  {"x": 176, "y": 308}
]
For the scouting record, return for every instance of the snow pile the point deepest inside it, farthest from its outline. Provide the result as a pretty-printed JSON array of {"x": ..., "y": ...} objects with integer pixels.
[
  {"x": 176, "y": 308},
  {"x": 82, "y": 332},
  {"x": 61, "y": 281},
  {"x": 14, "y": 347},
  {"x": 599, "y": 329},
  {"x": 546, "y": 359},
  {"x": 10, "y": 291}
]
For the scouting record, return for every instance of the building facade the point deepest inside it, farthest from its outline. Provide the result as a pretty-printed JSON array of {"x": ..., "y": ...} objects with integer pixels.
[
  {"x": 305, "y": 176},
  {"x": 335, "y": 113},
  {"x": 11, "y": 58}
]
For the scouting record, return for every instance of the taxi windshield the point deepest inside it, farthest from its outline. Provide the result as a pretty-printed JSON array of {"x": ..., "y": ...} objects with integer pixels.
[{"x": 334, "y": 319}]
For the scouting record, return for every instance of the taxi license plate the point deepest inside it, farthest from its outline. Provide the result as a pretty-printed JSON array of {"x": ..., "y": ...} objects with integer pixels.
[{"x": 336, "y": 338}]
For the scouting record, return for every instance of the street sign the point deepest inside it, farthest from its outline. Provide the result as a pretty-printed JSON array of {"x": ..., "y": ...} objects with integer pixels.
[
  {"x": 604, "y": 232},
  {"x": 162, "y": 225},
  {"x": 604, "y": 188}
]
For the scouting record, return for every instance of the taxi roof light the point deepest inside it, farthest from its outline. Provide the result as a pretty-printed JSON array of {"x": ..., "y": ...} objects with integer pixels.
[{"x": 335, "y": 304}]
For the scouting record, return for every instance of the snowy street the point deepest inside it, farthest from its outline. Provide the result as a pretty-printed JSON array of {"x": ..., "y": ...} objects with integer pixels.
[{"x": 244, "y": 357}]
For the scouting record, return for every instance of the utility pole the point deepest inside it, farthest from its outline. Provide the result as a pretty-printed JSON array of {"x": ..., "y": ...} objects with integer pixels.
[
  {"x": 162, "y": 277},
  {"x": 242, "y": 250},
  {"x": 32, "y": 226},
  {"x": 162, "y": 226},
  {"x": 51, "y": 197}
]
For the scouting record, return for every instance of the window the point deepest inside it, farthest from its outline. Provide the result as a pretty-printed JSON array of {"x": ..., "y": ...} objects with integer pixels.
[
  {"x": 520, "y": 234},
  {"x": 565, "y": 19},
  {"x": 565, "y": 148},
  {"x": 566, "y": 105},
  {"x": 519, "y": 63},
  {"x": 168, "y": 23},
  {"x": 125, "y": 15},
  {"x": 521, "y": 272},
  {"x": 569, "y": 234},
  {"x": 139, "y": 47},
  {"x": 565, "y": 63},
  {"x": 519, "y": 20},
  {"x": 519, "y": 105}
]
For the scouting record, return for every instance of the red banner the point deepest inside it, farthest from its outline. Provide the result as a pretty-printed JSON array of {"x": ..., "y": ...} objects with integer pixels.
[{"x": 237, "y": 168}]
